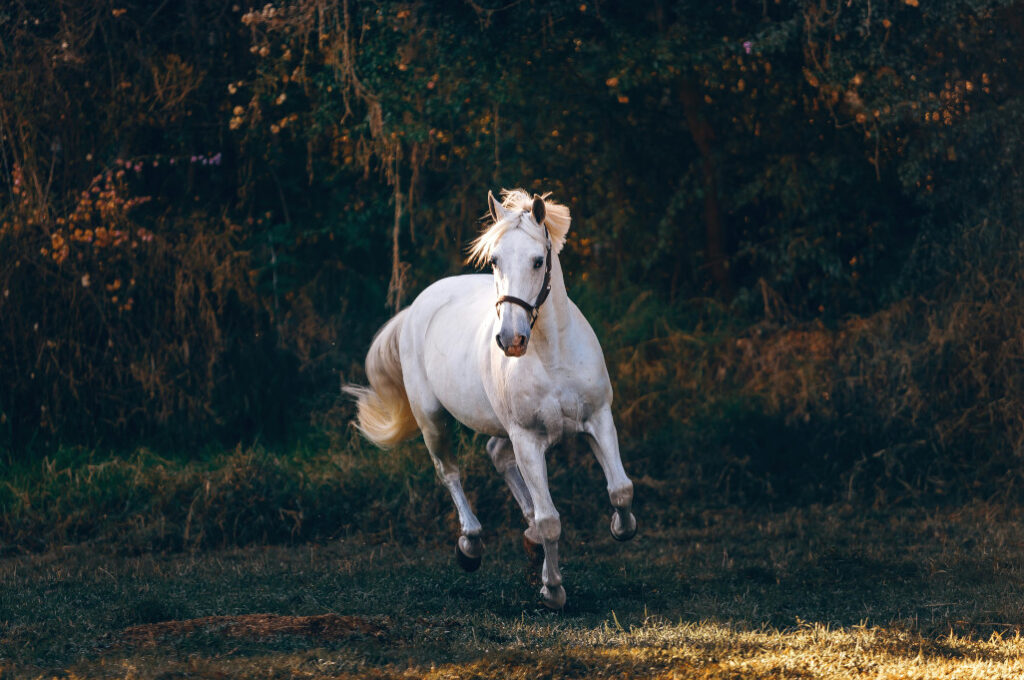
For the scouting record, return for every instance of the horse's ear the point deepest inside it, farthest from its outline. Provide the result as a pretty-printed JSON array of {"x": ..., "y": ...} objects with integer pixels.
[
  {"x": 497, "y": 211},
  {"x": 538, "y": 210}
]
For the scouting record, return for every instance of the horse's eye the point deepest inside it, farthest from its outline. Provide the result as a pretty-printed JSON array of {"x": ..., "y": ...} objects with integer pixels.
[
  {"x": 538, "y": 262},
  {"x": 494, "y": 262}
]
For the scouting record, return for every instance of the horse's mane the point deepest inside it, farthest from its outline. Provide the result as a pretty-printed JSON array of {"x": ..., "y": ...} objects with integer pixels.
[{"x": 556, "y": 220}]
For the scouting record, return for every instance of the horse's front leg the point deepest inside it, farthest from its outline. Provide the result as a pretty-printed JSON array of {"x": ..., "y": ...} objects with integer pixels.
[
  {"x": 529, "y": 453},
  {"x": 504, "y": 459},
  {"x": 604, "y": 442}
]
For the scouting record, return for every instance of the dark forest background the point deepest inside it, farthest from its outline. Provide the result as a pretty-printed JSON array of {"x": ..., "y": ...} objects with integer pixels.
[{"x": 797, "y": 225}]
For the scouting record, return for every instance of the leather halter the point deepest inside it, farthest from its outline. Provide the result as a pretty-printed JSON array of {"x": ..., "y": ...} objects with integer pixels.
[{"x": 545, "y": 290}]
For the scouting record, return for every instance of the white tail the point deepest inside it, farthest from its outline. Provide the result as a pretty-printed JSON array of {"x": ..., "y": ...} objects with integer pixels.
[{"x": 384, "y": 415}]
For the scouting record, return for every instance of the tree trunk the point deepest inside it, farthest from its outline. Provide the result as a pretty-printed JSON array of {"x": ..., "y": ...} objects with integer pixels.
[{"x": 715, "y": 231}]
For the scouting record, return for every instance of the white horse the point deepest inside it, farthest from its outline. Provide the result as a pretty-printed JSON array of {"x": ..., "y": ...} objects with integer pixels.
[{"x": 460, "y": 351}]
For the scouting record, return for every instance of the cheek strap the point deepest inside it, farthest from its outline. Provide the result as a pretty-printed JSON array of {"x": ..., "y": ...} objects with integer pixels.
[{"x": 545, "y": 289}]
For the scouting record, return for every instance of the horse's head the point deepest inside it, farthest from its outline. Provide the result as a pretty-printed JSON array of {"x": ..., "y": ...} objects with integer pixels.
[
  {"x": 521, "y": 263},
  {"x": 524, "y": 236}
]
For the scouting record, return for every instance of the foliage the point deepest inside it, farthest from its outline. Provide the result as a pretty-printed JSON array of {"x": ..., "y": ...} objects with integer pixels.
[{"x": 793, "y": 221}]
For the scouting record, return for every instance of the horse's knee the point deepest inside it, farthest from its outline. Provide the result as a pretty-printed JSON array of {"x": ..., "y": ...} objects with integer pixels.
[
  {"x": 549, "y": 528},
  {"x": 622, "y": 496}
]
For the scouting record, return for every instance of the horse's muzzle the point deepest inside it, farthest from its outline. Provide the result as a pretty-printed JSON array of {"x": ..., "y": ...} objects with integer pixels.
[{"x": 516, "y": 348}]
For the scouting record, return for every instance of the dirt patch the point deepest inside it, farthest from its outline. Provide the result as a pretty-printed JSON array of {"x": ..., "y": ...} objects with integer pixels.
[{"x": 324, "y": 627}]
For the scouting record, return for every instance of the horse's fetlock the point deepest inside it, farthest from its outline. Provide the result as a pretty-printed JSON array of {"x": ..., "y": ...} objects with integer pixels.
[{"x": 622, "y": 496}]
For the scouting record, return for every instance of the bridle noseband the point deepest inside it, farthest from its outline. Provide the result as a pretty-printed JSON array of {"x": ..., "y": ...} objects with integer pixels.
[{"x": 545, "y": 289}]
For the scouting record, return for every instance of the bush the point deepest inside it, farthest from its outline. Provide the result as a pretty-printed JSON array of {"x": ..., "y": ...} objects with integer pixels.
[{"x": 795, "y": 225}]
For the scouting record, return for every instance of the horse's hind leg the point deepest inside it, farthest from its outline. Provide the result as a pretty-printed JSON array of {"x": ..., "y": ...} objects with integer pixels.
[
  {"x": 437, "y": 436},
  {"x": 604, "y": 442},
  {"x": 504, "y": 459}
]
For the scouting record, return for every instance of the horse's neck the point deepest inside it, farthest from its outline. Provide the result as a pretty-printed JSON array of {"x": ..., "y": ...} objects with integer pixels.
[{"x": 554, "y": 320}]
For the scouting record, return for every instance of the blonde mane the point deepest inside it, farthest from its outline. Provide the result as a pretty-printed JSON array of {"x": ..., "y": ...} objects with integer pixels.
[{"x": 519, "y": 202}]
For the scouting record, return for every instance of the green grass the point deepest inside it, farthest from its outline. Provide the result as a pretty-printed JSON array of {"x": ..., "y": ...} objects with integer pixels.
[
  {"x": 821, "y": 592},
  {"x": 144, "y": 501},
  {"x": 321, "y": 490}
]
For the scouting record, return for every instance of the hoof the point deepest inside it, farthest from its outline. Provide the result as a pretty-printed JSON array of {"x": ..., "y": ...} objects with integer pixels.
[
  {"x": 534, "y": 551},
  {"x": 553, "y": 598},
  {"x": 620, "y": 532},
  {"x": 465, "y": 549}
]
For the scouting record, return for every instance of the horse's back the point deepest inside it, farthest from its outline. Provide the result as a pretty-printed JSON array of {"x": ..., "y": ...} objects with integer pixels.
[
  {"x": 451, "y": 303},
  {"x": 453, "y": 290},
  {"x": 445, "y": 334}
]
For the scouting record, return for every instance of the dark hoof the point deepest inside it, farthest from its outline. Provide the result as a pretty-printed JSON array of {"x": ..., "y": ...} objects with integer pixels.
[
  {"x": 620, "y": 532},
  {"x": 465, "y": 562},
  {"x": 553, "y": 598},
  {"x": 534, "y": 551}
]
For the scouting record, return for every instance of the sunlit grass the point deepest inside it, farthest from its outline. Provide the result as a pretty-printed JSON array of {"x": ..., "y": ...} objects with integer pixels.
[
  {"x": 712, "y": 650},
  {"x": 707, "y": 650}
]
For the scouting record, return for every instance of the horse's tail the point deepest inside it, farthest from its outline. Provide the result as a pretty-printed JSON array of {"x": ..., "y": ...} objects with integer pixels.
[{"x": 384, "y": 415}]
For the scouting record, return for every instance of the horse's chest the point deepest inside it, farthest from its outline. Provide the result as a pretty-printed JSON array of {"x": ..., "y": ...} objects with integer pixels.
[
  {"x": 573, "y": 404},
  {"x": 558, "y": 408}
]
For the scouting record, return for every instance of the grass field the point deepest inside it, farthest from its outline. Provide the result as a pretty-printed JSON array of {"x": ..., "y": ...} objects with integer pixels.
[{"x": 816, "y": 592}]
